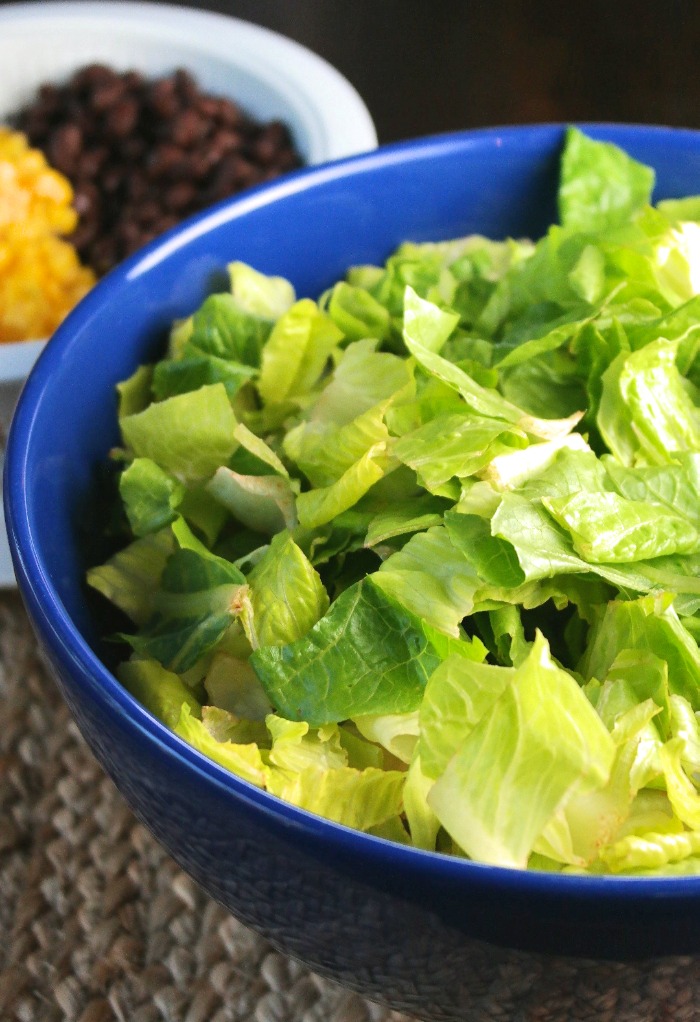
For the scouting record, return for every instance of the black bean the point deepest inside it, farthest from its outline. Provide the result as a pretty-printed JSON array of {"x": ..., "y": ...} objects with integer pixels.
[
  {"x": 90, "y": 77},
  {"x": 90, "y": 162},
  {"x": 121, "y": 119},
  {"x": 85, "y": 234},
  {"x": 64, "y": 147},
  {"x": 162, "y": 159},
  {"x": 223, "y": 141},
  {"x": 163, "y": 99},
  {"x": 186, "y": 85},
  {"x": 107, "y": 94},
  {"x": 230, "y": 113},
  {"x": 143, "y": 154},
  {"x": 188, "y": 128},
  {"x": 86, "y": 201},
  {"x": 112, "y": 178},
  {"x": 148, "y": 212},
  {"x": 179, "y": 196}
]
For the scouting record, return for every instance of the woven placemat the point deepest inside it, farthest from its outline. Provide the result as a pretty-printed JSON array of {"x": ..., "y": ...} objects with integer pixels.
[{"x": 98, "y": 924}]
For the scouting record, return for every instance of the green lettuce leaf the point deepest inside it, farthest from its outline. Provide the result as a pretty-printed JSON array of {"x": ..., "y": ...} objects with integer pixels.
[
  {"x": 601, "y": 186},
  {"x": 296, "y": 353},
  {"x": 162, "y": 692},
  {"x": 232, "y": 684},
  {"x": 188, "y": 436},
  {"x": 415, "y": 514},
  {"x": 195, "y": 369},
  {"x": 654, "y": 852},
  {"x": 607, "y": 528},
  {"x": 649, "y": 624},
  {"x": 431, "y": 578},
  {"x": 674, "y": 486},
  {"x": 684, "y": 725},
  {"x": 321, "y": 505},
  {"x": 296, "y": 746},
  {"x": 151, "y": 496},
  {"x": 541, "y": 743},
  {"x": 130, "y": 579},
  {"x": 357, "y": 313},
  {"x": 459, "y": 693},
  {"x": 455, "y": 445},
  {"x": 285, "y": 596},
  {"x": 223, "y": 327},
  {"x": 367, "y": 655},
  {"x": 198, "y": 599},
  {"x": 244, "y": 760},
  {"x": 645, "y": 414},
  {"x": 589, "y": 820},
  {"x": 324, "y": 451},
  {"x": 134, "y": 394},
  {"x": 396, "y": 732},
  {"x": 263, "y": 503},
  {"x": 362, "y": 379},
  {"x": 682, "y": 793},
  {"x": 361, "y": 799},
  {"x": 258, "y": 294},
  {"x": 423, "y": 824}
]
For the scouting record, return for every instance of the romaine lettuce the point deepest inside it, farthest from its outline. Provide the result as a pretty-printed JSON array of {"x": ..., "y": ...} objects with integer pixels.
[{"x": 422, "y": 554}]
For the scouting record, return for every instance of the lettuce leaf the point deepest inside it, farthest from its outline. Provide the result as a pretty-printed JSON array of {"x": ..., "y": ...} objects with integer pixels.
[
  {"x": 285, "y": 596},
  {"x": 130, "y": 579},
  {"x": 367, "y": 655},
  {"x": 362, "y": 799},
  {"x": 601, "y": 186},
  {"x": 541, "y": 743},
  {"x": 243, "y": 759},
  {"x": 151, "y": 496},
  {"x": 263, "y": 503},
  {"x": 189, "y": 435},
  {"x": 198, "y": 599},
  {"x": 296, "y": 352},
  {"x": 431, "y": 578},
  {"x": 223, "y": 327}
]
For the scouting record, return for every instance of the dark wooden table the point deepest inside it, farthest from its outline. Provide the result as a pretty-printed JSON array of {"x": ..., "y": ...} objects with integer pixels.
[{"x": 426, "y": 67}]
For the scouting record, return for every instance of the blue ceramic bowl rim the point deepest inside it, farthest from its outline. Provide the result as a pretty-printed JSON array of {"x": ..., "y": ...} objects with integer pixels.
[{"x": 51, "y": 617}]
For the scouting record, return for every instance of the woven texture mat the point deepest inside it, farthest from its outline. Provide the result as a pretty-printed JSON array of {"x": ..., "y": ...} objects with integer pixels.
[{"x": 97, "y": 923}]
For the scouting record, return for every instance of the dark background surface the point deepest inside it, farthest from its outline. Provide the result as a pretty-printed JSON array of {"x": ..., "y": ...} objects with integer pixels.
[{"x": 425, "y": 66}]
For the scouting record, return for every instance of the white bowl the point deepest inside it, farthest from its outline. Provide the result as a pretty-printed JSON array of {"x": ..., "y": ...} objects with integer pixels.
[{"x": 269, "y": 75}]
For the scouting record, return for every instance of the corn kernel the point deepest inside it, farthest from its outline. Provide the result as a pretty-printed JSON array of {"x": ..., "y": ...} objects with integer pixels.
[{"x": 41, "y": 277}]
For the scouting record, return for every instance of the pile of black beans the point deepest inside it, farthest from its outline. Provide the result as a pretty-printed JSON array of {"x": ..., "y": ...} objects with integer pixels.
[{"x": 143, "y": 154}]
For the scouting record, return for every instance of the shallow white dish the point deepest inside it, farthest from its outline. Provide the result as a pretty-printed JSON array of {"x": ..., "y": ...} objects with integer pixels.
[{"x": 269, "y": 75}]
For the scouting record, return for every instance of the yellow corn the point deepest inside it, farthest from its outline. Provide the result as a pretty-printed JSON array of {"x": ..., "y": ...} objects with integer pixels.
[{"x": 41, "y": 277}]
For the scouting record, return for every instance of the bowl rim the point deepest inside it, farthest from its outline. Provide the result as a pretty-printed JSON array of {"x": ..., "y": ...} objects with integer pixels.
[
  {"x": 329, "y": 104},
  {"x": 46, "y": 607}
]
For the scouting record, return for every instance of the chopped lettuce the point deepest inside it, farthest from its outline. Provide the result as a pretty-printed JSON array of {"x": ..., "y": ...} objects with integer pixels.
[
  {"x": 189, "y": 435},
  {"x": 422, "y": 554},
  {"x": 539, "y": 744},
  {"x": 366, "y": 655}
]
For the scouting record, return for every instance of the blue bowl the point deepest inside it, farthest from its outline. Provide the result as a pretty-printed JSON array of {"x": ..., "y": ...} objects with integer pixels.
[{"x": 426, "y": 933}]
